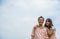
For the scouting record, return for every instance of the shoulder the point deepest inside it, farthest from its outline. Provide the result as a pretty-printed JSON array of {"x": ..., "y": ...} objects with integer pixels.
[
  {"x": 54, "y": 28},
  {"x": 35, "y": 26},
  {"x": 46, "y": 28}
]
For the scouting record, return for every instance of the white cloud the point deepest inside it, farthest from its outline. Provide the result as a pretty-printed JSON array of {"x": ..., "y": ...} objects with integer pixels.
[
  {"x": 37, "y": 6},
  {"x": 57, "y": 22},
  {"x": 19, "y": 16}
]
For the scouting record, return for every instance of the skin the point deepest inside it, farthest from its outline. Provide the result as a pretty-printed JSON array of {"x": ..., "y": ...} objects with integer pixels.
[
  {"x": 47, "y": 23},
  {"x": 50, "y": 31},
  {"x": 40, "y": 22},
  {"x": 32, "y": 37}
]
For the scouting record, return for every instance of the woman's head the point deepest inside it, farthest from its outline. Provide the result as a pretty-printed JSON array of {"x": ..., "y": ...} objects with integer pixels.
[{"x": 48, "y": 23}]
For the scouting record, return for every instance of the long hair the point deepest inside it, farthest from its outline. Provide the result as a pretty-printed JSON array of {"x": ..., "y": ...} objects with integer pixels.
[{"x": 51, "y": 24}]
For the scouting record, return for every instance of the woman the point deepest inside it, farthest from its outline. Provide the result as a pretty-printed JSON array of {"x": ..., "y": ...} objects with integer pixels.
[{"x": 50, "y": 29}]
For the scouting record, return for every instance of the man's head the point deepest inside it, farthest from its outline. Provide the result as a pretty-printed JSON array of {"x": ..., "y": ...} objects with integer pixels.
[{"x": 40, "y": 20}]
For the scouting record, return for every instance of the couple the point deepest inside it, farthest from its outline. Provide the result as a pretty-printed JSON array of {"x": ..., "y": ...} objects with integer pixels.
[{"x": 43, "y": 32}]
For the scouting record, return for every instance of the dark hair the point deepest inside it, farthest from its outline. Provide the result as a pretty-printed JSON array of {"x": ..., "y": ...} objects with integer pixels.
[
  {"x": 51, "y": 24},
  {"x": 40, "y": 17}
]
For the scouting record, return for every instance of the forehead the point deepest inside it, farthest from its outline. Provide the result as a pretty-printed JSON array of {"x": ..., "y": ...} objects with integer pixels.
[
  {"x": 47, "y": 20},
  {"x": 40, "y": 18}
]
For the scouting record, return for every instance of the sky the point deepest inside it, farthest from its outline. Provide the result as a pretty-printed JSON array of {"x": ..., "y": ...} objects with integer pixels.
[{"x": 18, "y": 17}]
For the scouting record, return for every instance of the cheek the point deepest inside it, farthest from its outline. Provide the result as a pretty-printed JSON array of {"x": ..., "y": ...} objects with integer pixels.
[
  {"x": 40, "y": 21},
  {"x": 47, "y": 23}
]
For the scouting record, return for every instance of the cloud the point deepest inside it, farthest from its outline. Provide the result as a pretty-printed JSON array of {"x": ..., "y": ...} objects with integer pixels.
[
  {"x": 13, "y": 6},
  {"x": 19, "y": 16}
]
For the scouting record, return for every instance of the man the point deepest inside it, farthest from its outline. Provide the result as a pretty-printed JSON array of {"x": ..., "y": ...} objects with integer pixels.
[{"x": 39, "y": 32}]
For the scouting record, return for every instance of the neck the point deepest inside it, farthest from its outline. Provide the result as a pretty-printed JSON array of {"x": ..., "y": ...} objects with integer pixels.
[{"x": 48, "y": 27}]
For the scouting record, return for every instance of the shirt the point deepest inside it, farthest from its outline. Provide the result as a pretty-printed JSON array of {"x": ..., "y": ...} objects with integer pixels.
[{"x": 39, "y": 33}]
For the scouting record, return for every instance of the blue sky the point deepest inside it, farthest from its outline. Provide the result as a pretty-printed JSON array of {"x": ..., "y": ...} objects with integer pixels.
[{"x": 18, "y": 17}]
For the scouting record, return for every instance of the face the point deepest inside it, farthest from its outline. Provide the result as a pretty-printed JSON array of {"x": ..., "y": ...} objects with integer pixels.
[
  {"x": 47, "y": 23},
  {"x": 40, "y": 21}
]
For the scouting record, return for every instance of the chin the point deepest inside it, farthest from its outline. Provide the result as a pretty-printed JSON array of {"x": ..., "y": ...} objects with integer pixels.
[{"x": 40, "y": 24}]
